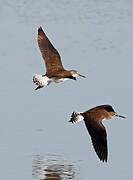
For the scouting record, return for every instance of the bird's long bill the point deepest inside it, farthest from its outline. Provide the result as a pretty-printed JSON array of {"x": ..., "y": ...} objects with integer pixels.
[
  {"x": 81, "y": 75},
  {"x": 120, "y": 116}
]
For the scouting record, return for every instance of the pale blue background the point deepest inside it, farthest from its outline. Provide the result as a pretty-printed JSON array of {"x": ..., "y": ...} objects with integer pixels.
[{"x": 94, "y": 37}]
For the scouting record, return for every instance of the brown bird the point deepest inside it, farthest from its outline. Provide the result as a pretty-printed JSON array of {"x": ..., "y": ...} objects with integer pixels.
[
  {"x": 93, "y": 121},
  {"x": 54, "y": 68}
]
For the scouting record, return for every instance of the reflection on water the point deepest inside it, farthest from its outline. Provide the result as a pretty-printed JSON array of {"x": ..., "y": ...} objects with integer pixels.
[{"x": 52, "y": 167}]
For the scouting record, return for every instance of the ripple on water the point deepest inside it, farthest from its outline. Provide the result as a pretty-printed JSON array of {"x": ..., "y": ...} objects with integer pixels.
[{"x": 53, "y": 167}]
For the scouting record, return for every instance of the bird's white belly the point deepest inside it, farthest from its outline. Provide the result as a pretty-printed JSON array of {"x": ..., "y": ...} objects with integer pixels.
[
  {"x": 41, "y": 80},
  {"x": 57, "y": 80}
]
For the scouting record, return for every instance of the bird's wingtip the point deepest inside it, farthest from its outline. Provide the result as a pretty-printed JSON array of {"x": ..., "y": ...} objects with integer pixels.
[
  {"x": 104, "y": 160},
  {"x": 40, "y": 29}
]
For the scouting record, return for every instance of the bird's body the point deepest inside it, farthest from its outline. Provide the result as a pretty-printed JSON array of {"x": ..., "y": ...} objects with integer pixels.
[
  {"x": 93, "y": 121},
  {"x": 55, "y": 71}
]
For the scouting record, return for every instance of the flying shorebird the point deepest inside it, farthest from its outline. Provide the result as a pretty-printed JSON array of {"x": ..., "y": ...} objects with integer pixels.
[
  {"x": 93, "y": 121},
  {"x": 54, "y": 68}
]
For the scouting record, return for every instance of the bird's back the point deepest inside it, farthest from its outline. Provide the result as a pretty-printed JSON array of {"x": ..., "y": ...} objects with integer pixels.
[{"x": 98, "y": 113}]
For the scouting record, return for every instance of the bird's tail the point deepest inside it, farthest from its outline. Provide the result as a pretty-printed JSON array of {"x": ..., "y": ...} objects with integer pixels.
[
  {"x": 76, "y": 117},
  {"x": 38, "y": 79},
  {"x": 41, "y": 81}
]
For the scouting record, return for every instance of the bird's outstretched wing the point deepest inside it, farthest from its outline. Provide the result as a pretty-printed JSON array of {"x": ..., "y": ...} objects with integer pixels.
[
  {"x": 50, "y": 54},
  {"x": 99, "y": 138}
]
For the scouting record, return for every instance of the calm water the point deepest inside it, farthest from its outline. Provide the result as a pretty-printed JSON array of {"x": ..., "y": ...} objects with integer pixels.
[{"x": 96, "y": 38}]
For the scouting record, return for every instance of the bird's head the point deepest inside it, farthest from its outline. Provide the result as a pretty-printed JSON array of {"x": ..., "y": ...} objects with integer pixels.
[
  {"x": 75, "y": 74},
  {"x": 112, "y": 113}
]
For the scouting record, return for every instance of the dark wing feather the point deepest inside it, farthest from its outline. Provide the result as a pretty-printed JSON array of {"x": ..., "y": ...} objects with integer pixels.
[
  {"x": 49, "y": 53},
  {"x": 99, "y": 138}
]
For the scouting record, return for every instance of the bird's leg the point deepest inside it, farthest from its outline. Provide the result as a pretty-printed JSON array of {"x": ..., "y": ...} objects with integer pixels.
[{"x": 38, "y": 87}]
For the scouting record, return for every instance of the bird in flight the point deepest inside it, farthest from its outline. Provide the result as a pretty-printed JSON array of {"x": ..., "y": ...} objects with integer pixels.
[
  {"x": 93, "y": 121},
  {"x": 54, "y": 68}
]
